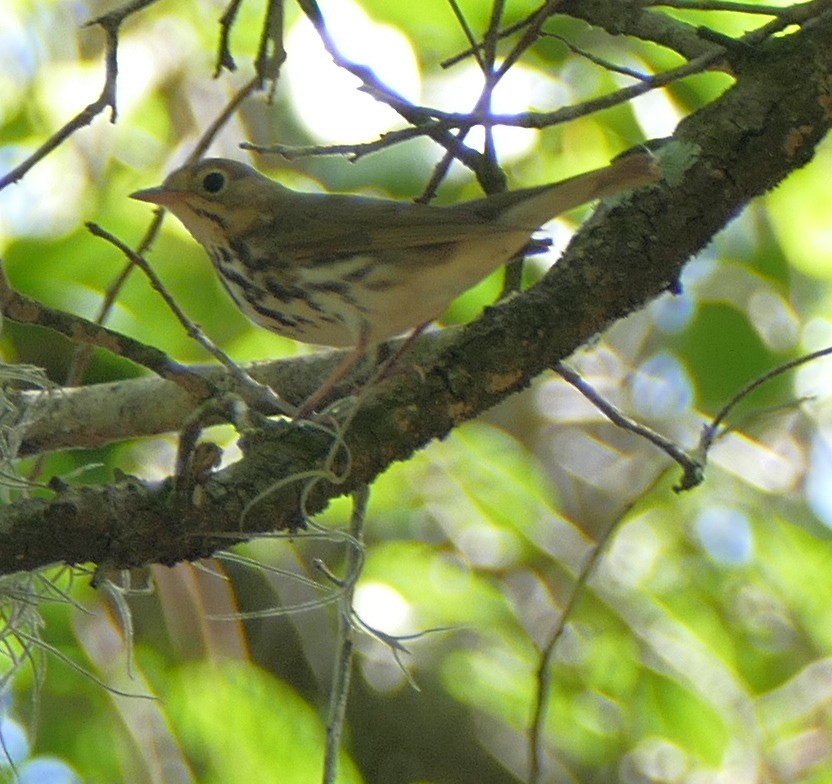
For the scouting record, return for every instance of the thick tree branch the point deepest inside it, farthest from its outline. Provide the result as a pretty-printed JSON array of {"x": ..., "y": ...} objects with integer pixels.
[{"x": 630, "y": 252}]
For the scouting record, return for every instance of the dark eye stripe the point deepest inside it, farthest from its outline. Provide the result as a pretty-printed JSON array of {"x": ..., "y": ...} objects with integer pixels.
[{"x": 212, "y": 216}]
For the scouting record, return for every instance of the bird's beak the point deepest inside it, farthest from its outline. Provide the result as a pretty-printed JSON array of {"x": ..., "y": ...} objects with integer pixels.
[{"x": 161, "y": 195}]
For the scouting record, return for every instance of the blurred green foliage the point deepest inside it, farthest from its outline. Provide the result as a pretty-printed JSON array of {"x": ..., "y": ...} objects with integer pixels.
[{"x": 699, "y": 648}]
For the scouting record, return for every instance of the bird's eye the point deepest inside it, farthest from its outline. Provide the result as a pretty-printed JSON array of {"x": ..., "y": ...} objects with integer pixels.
[{"x": 213, "y": 182}]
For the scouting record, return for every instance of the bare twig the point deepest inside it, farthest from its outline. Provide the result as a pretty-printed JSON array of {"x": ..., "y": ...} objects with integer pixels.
[
  {"x": 559, "y": 116},
  {"x": 530, "y": 34},
  {"x": 353, "y": 151},
  {"x": 110, "y": 23},
  {"x": 469, "y": 34},
  {"x": 692, "y": 463},
  {"x": 712, "y": 430},
  {"x": 222, "y": 118},
  {"x": 416, "y": 115},
  {"x": 224, "y": 57},
  {"x": 271, "y": 54},
  {"x": 343, "y": 657},
  {"x": 262, "y": 395},
  {"x": 720, "y": 5},
  {"x": 474, "y": 49},
  {"x": 692, "y": 469},
  {"x": 544, "y": 670},
  {"x": 599, "y": 61}
]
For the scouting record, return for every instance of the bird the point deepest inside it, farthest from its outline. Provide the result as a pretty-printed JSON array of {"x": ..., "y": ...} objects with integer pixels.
[{"x": 344, "y": 270}]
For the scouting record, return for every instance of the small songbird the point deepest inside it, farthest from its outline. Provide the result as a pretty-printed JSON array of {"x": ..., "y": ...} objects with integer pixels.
[{"x": 346, "y": 270}]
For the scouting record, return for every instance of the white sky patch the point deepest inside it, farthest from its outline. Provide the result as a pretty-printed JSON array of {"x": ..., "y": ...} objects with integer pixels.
[
  {"x": 326, "y": 97},
  {"x": 333, "y": 110},
  {"x": 520, "y": 89},
  {"x": 383, "y": 608},
  {"x": 656, "y": 113}
]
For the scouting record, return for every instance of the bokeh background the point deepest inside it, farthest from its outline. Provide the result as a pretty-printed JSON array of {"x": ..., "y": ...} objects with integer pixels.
[{"x": 698, "y": 647}]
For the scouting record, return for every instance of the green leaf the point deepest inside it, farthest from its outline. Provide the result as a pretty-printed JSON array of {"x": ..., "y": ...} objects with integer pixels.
[{"x": 239, "y": 725}]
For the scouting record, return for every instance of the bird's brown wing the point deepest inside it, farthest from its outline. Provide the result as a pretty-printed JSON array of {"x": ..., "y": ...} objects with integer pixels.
[
  {"x": 321, "y": 224},
  {"x": 316, "y": 224}
]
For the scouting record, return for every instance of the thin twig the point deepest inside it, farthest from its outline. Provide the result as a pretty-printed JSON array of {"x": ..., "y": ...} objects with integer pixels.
[
  {"x": 353, "y": 151},
  {"x": 531, "y": 34},
  {"x": 436, "y": 124},
  {"x": 692, "y": 469},
  {"x": 712, "y": 430},
  {"x": 719, "y": 5},
  {"x": 271, "y": 53},
  {"x": 544, "y": 671},
  {"x": 559, "y": 116},
  {"x": 343, "y": 659},
  {"x": 222, "y": 118},
  {"x": 474, "y": 49},
  {"x": 469, "y": 34},
  {"x": 488, "y": 173},
  {"x": 224, "y": 57},
  {"x": 262, "y": 394},
  {"x": 599, "y": 61},
  {"x": 416, "y": 115}
]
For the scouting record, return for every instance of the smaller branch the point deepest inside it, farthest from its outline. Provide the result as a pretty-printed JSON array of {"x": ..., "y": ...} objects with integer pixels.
[
  {"x": 530, "y": 35},
  {"x": 21, "y": 309},
  {"x": 559, "y": 116},
  {"x": 415, "y": 115},
  {"x": 353, "y": 151},
  {"x": 474, "y": 49},
  {"x": 469, "y": 34},
  {"x": 720, "y": 5},
  {"x": 692, "y": 469},
  {"x": 110, "y": 23}
]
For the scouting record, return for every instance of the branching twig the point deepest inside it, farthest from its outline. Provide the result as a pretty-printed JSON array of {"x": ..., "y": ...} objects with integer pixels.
[
  {"x": 692, "y": 463},
  {"x": 416, "y": 115},
  {"x": 110, "y": 23},
  {"x": 445, "y": 121},
  {"x": 466, "y": 29},
  {"x": 343, "y": 657},
  {"x": 712, "y": 431},
  {"x": 222, "y": 118},
  {"x": 24, "y": 310},
  {"x": 559, "y": 116}
]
